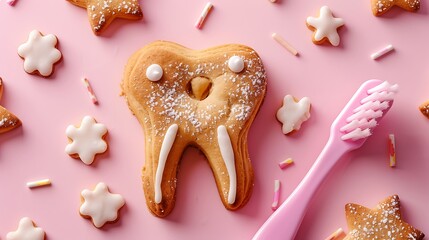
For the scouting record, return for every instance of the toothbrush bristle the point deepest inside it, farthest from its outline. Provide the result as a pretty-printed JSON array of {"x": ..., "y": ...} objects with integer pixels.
[
  {"x": 364, "y": 118},
  {"x": 357, "y": 134}
]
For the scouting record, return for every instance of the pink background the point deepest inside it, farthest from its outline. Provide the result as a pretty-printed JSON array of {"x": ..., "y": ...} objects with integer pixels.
[{"x": 327, "y": 75}]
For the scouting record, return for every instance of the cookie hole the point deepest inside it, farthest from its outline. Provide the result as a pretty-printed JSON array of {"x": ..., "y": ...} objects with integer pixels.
[{"x": 199, "y": 88}]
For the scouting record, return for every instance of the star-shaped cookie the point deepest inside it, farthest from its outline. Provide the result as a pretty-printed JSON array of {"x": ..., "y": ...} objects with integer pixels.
[
  {"x": 26, "y": 230},
  {"x": 293, "y": 113},
  {"x": 325, "y": 27},
  {"x": 379, "y": 7},
  {"x": 102, "y": 12},
  {"x": 100, "y": 205},
  {"x": 86, "y": 140},
  {"x": 382, "y": 222},
  {"x": 8, "y": 121}
]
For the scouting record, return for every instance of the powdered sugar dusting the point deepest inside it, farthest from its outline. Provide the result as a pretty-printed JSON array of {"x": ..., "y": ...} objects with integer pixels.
[
  {"x": 101, "y": 10},
  {"x": 170, "y": 98},
  {"x": 383, "y": 222}
]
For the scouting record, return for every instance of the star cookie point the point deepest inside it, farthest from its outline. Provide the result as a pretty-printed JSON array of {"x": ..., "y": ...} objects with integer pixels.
[
  {"x": 380, "y": 7},
  {"x": 101, "y": 13},
  {"x": 8, "y": 120}
]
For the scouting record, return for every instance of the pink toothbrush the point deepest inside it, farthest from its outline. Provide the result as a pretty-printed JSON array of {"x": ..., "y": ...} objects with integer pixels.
[{"x": 349, "y": 131}]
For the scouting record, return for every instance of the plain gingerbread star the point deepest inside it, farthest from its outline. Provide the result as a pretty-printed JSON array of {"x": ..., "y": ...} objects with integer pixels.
[
  {"x": 86, "y": 140},
  {"x": 325, "y": 27},
  {"x": 26, "y": 230},
  {"x": 39, "y": 53},
  {"x": 100, "y": 205},
  {"x": 379, "y": 7},
  {"x": 8, "y": 121},
  {"x": 102, "y": 12},
  {"x": 384, "y": 221}
]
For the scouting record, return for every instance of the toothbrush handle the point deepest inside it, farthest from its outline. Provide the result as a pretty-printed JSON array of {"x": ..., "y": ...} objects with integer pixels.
[{"x": 283, "y": 224}]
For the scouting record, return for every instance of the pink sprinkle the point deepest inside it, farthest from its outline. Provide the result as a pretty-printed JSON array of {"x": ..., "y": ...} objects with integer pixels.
[
  {"x": 90, "y": 91},
  {"x": 285, "y": 163},
  {"x": 202, "y": 18},
  {"x": 11, "y": 2},
  {"x": 276, "y": 200}
]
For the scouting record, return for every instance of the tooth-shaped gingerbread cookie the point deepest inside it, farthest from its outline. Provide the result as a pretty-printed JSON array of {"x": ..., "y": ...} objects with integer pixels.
[{"x": 203, "y": 98}]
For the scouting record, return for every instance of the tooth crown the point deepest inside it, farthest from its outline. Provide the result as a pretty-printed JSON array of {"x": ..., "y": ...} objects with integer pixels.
[{"x": 232, "y": 103}]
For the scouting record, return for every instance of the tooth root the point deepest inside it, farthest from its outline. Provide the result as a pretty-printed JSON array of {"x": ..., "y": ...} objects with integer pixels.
[
  {"x": 167, "y": 143},
  {"x": 160, "y": 170},
  {"x": 227, "y": 154},
  {"x": 231, "y": 167}
]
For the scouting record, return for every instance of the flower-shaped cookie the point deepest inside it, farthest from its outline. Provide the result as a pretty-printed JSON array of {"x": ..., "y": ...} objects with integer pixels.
[
  {"x": 100, "y": 205},
  {"x": 39, "y": 53},
  {"x": 292, "y": 114},
  {"x": 86, "y": 140},
  {"x": 26, "y": 230},
  {"x": 325, "y": 27}
]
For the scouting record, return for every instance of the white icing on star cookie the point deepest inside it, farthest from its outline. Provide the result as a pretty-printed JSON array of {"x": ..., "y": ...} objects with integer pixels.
[
  {"x": 39, "y": 53},
  {"x": 325, "y": 27},
  {"x": 101, "y": 205},
  {"x": 292, "y": 114},
  {"x": 26, "y": 230},
  {"x": 86, "y": 140}
]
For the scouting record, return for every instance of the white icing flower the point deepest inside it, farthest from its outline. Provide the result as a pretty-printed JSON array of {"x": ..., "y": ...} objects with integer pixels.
[
  {"x": 39, "y": 53},
  {"x": 87, "y": 139},
  {"x": 101, "y": 205},
  {"x": 292, "y": 114},
  {"x": 26, "y": 230},
  {"x": 326, "y": 26}
]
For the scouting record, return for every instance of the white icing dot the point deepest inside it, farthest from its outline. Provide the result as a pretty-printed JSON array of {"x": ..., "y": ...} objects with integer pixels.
[
  {"x": 236, "y": 64},
  {"x": 154, "y": 72}
]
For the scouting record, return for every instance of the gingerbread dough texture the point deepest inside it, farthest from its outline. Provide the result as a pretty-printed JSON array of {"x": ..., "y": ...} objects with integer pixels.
[{"x": 202, "y": 98}]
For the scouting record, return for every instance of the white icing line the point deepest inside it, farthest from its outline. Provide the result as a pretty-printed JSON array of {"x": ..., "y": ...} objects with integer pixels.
[
  {"x": 167, "y": 143},
  {"x": 228, "y": 157}
]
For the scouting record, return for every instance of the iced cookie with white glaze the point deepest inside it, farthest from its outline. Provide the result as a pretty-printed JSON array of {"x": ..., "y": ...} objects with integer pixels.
[
  {"x": 325, "y": 27},
  {"x": 26, "y": 230},
  {"x": 86, "y": 140},
  {"x": 39, "y": 53},
  {"x": 8, "y": 120},
  {"x": 202, "y": 98},
  {"x": 293, "y": 113},
  {"x": 100, "y": 205}
]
